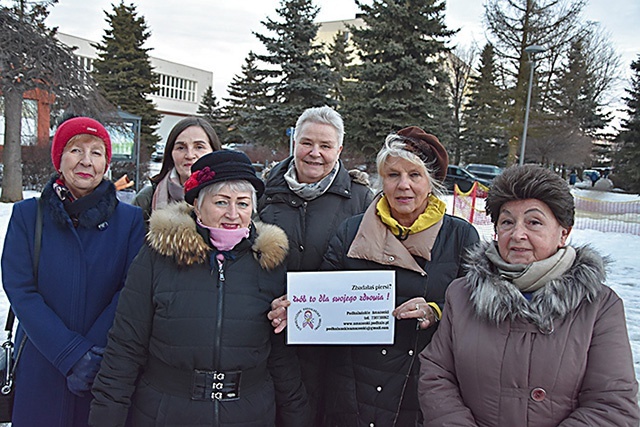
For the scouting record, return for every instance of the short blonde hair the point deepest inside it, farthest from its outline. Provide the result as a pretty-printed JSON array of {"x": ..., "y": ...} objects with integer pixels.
[{"x": 394, "y": 146}]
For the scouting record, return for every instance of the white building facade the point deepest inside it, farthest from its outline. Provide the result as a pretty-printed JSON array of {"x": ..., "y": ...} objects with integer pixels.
[{"x": 180, "y": 87}]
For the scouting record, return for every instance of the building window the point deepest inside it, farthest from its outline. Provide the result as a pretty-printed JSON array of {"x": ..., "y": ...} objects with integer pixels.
[
  {"x": 85, "y": 63},
  {"x": 176, "y": 88},
  {"x": 29, "y": 134}
]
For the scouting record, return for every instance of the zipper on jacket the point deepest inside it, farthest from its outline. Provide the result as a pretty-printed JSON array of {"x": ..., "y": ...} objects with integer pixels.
[
  {"x": 218, "y": 332},
  {"x": 220, "y": 273}
]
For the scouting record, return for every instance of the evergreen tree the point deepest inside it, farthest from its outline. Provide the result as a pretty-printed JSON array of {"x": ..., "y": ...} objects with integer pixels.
[
  {"x": 211, "y": 111},
  {"x": 576, "y": 97},
  {"x": 401, "y": 49},
  {"x": 295, "y": 72},
  {"x": 574, "y": 115},
  {"x": 484, "y": 116},
  {"x": 123, "y": 70},
  {"x": 340, "y": 57},
  {"x": 247, "y": 98},
  {"x": 627, "y": 170}
]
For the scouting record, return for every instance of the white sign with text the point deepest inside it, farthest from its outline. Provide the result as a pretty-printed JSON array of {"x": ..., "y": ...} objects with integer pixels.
[{"x": 341, "y": 307}]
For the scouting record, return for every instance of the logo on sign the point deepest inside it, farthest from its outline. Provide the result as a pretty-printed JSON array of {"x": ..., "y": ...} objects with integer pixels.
[{"x": 308, "y": 318}]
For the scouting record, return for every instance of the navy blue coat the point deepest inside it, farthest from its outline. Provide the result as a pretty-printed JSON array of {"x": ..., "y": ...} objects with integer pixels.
[{"x": 71, "y": 308}]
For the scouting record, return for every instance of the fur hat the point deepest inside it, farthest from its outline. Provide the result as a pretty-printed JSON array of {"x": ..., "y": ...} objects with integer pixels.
[
  {"x": 78, "y": 126},
  {"x": 428, "y": 148},
  {"x": 219, "y": 166}
]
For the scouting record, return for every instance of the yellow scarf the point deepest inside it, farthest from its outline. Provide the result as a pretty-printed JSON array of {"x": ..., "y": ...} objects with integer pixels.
[{"x": 434, "y": 212}]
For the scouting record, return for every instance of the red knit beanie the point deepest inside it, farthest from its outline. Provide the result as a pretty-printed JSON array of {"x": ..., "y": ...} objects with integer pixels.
[
  {"x": 428, "y": 148},
  {"x": 78, "y": 126}
]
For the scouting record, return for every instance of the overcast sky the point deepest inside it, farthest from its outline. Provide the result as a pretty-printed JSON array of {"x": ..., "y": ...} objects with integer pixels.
[{"x": 216, "y": 35}]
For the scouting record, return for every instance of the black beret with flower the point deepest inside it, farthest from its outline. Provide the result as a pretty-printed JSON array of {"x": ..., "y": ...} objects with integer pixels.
[{"x": 219, "y": 166}]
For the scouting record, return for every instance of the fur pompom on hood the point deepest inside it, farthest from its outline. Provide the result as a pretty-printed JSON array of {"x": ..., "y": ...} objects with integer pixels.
[
  {"x": 173, "y": 233},
  {"x": 497, "y": 299}
]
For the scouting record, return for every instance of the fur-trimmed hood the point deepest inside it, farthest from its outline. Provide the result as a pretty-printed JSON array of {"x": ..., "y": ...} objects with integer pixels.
[
  {"x": 496, "y": 299},
  {"x": 173, "y": 232}
]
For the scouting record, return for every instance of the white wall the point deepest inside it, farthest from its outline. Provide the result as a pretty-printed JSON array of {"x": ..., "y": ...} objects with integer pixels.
[{"x": 172, "y": 110}]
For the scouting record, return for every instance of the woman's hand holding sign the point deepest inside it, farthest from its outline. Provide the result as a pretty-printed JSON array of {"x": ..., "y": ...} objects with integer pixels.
[
  {"x": 416, "y": 308},
  {"x": 278, "y": 313}
]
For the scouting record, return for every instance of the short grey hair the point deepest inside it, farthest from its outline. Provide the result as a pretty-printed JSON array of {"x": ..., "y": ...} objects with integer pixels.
[
  {"x": 237, "y": 186},
  {"x": 395, "y": 146},
  {"x": 322, "y": 115}
]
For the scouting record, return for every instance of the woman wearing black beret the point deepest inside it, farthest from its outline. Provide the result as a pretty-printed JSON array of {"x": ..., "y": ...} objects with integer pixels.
[{"x": 191, "y": 343}]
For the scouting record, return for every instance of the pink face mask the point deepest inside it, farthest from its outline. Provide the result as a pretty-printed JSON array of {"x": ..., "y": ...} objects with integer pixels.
[{"x": 223, "y": 239}]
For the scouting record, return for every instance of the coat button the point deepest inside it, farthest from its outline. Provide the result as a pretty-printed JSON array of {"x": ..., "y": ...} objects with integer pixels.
[
  {"x": 538, "y": 394},
  {"x": 410, "y": 352},
  {"x": 379, "y": 388},
  {"x": 383, "y": 351},
  {"x": 372, "y": 425},
  {"x": 301, "y": 248}
]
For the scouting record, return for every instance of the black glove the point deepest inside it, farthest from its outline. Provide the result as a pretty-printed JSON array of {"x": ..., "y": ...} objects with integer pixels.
[{"x": 82, "y": 374}]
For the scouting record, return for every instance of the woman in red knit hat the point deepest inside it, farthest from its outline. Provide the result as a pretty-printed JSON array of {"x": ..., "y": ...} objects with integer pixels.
[{"x": 66, "y": 307}]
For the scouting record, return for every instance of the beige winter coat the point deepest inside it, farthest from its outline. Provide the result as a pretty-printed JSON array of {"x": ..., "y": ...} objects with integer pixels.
[{"x": 561, "y": 359}]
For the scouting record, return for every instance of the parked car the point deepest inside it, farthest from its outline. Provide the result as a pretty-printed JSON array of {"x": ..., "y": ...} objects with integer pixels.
[
  {"x": 485, "y": 171},
  {"x": 259, "y": 167},
  {"x": 158, "y": 153},
  {"x": 462, "y": 177}
]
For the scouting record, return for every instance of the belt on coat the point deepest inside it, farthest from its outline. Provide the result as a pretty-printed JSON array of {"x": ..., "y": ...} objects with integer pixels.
[{"x": 200, "y": 384}]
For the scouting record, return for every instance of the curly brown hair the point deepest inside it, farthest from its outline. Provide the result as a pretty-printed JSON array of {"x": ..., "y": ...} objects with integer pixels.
[{"x": 532, "y": 182}]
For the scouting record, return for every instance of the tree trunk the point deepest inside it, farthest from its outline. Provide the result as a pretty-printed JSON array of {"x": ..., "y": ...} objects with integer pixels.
[{"x": 12, "y": 154}]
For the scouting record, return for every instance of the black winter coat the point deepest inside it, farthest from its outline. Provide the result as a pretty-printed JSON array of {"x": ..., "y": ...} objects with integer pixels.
[
  {"x": 310, "y": 224},
  {"x": 179, "y": 312},
  {"x": 377, "y": 384}
]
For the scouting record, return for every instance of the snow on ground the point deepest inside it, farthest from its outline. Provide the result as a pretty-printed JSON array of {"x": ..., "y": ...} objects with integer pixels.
[
  {"x": 622, "y": 249},
  {"x": 605, "y": 196}
]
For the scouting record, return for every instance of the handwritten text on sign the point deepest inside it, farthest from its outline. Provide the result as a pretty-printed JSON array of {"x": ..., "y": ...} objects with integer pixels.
[{"x": 341, "y": 307}]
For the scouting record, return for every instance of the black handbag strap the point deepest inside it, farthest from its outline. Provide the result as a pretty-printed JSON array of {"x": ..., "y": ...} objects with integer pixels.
[
  {"x": 7, "y": 381},
  {"x": 37, "y": 243}
]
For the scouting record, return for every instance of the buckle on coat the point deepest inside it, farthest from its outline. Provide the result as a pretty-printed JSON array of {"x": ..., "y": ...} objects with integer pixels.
[{"x": 215, "y": 385}]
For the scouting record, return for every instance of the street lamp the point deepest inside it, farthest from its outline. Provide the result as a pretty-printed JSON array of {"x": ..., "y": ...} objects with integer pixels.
[{"x": 531, "y": 52}]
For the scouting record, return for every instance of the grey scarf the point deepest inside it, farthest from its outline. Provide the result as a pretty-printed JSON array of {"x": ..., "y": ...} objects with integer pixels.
[
  {"x": 531, "y": 277},
  {"x": 169, "y": 190},
  {"x": 313, "y": 190}
]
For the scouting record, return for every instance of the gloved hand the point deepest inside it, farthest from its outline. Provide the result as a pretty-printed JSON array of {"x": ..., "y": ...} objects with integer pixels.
[{"x": 82, "y": 374}]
